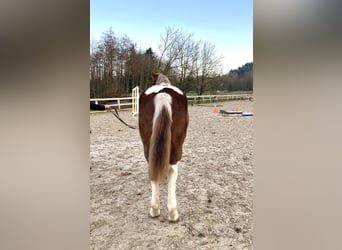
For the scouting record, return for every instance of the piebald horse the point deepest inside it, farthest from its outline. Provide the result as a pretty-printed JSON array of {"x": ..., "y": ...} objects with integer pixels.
[{"x": 163, "y": 122}]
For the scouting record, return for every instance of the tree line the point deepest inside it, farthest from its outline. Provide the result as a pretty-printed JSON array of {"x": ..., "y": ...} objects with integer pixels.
[{"x": 117, "y": 66}]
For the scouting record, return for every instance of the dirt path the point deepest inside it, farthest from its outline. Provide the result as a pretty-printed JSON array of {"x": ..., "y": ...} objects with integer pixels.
[{"x": 214, "y": 186}]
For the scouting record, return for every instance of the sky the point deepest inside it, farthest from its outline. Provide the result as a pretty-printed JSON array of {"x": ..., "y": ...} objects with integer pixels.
[{"x": 228, "y": 24}]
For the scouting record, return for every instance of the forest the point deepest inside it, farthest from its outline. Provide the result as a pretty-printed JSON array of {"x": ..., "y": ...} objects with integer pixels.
[{"x": 117, "y": 65}]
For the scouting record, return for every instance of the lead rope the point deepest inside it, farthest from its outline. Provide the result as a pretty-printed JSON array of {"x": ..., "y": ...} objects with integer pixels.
[{"x": 116, "y": 114}]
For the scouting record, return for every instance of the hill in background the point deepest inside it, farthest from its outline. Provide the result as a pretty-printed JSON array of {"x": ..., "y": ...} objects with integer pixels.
[{"x": 240, "y": 79}]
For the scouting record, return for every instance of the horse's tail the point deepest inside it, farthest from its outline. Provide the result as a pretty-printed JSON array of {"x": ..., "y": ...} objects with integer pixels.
[{"x": 160, "y": 143}]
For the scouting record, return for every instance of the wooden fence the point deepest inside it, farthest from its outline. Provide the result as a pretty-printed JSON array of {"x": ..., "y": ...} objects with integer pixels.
[{"x": 128, "y": 102}]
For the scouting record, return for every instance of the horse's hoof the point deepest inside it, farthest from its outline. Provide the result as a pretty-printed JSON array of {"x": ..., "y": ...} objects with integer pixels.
[
  {"x": 173, "y": 221},
  {"x": 173, "y": 216},
  {"x": 154, "y": 212}
]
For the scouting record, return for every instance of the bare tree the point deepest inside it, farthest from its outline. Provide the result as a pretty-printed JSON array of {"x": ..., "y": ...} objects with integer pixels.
[
  {"x": 187, "y": 59},
  {"x": 206, "y": 67},
  {"x": 172, "y": 46},
  {"x": 186, "y": 63}
]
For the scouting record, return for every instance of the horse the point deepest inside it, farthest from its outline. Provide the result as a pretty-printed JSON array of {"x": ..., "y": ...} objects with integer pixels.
[{"x": 163, "y": 122}]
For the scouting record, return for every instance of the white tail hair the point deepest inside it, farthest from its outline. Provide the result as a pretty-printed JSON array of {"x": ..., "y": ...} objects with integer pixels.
[{"x": 160, "y": 143}]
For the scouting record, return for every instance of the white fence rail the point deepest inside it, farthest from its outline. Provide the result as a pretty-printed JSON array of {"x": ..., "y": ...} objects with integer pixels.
[
  {"x": 114, "y": 102},
  {"x": 128, "y": 102},
  {"x": 216, "y": 98}
]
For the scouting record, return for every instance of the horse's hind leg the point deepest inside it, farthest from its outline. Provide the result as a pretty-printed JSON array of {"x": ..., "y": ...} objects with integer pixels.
[
  {"x": 172, "y": 203},
  {"x": 155, "y": 210}
]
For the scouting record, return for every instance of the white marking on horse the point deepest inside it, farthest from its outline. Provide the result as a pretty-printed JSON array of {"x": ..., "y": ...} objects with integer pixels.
[
  {"x": 171, "y": 201},
  {"x": 157, "y": 88},
  {"x": 161, "y": 100},
  {"x": 155, "y": 211}
]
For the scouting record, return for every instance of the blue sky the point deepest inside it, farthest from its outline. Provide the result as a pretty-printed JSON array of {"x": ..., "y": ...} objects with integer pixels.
[{"x": 227, "y": 24}]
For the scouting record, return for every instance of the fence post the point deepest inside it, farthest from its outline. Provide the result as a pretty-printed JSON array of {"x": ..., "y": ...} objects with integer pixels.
[{"x": 135, "y": 101}]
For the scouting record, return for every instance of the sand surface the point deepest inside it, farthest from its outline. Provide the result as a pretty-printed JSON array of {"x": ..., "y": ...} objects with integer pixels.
[{"x": 214, "y": 186}]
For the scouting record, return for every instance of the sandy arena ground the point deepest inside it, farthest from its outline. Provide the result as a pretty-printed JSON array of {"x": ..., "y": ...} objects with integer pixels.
[{"x": 214, "y": 186}]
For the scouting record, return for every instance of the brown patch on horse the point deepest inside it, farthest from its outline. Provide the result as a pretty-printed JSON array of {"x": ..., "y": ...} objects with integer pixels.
[{"x": 180, "y": 122}]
